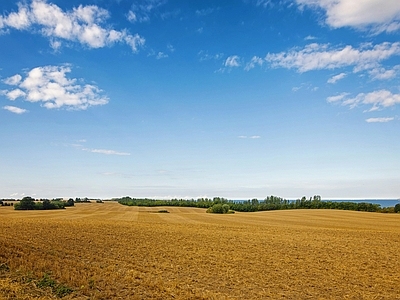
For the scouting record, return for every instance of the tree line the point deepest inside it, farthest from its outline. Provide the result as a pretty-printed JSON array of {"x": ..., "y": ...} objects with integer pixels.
[
  {"x": 253, "y": 205},
  {"x": 29, "y": 203}
]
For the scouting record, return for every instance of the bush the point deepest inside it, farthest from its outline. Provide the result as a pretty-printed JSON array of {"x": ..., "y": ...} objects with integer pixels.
[
  {"x": 397, "y": 208},
  {"x": 70, "y": 202},
  {"x": 219, "y": 209}
]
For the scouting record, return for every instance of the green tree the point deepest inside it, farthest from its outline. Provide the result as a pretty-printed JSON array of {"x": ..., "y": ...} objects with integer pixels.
[
  {"x": 26, "y": 203},
  {"x": 397, "y": 208}
]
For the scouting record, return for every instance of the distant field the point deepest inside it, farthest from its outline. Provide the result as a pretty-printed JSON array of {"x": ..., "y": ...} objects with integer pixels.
[{"x": 111, "y": 251}]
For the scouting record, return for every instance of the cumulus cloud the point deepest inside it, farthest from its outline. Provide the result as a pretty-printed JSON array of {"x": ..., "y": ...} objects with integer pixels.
[
  {"x": 14, "y": 94},
  {"x": 336, "y": 78},
  {"x": 141, "y": 10},
  {"x": 83, "y": 24},
  {"x": 13, "y": 80},
  {"x": 379, "y": 120},
  {"x": 377, "y": 99},
  {"x": 375, "y": 15},
  {"x": 50, "y": 86},
  {"x": 316, "y": 57},
  {"x": 14, "y": 109}
]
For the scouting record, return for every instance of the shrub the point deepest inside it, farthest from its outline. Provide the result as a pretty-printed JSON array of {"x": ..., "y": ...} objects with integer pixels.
[
  {"x": 219, "y": 209},
  {"x": 397, "y": 208},
  {"x": 70, "y": 202}
]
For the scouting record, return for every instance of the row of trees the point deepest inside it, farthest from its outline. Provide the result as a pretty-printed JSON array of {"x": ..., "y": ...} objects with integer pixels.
[
  {"x": 269, "y": 203},
  {"x": 29, "y": 203}
]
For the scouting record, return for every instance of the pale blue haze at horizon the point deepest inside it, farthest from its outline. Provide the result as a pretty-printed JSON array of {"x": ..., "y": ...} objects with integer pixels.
[{"x": 183, "y": 126}]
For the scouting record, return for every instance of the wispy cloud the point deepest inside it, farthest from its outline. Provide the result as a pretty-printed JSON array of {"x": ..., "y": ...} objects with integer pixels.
[
  {"x": 377, "y": 99},
  {"x": 83, "y": 25},
  {"x": 106, "y": 152},
  {"x": 205, "y": 12},
  {"x": 161, "y": 55},
  {"x": 379, "y": 120},
  {"x": 232, "y": 61},
  {"x": 310, "y": 38},
  {"x": 264, "y": 3},
  {"x": 255, "y": 61},
  {"x": 204, "y": 56},
  {"x": 14, "y": 109},
  {"x": 50, "y": 86},
  {"x": 336, "y": 78},
  {"x": 337, "y": 97},
  {"x": 142, "y": 9},
  {"x": 307, "y": 86},
  {"x": 374, "y": 15},
  {"x": 384, "y": 74},
  {"x": 322, "y": 56},
  {"x": 249, "y": 137}
]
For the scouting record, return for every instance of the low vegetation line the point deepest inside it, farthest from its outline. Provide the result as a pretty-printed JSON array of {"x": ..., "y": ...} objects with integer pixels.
[{"x": 222, "y": 205}]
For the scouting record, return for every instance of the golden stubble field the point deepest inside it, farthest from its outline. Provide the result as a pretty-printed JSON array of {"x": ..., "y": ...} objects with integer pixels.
[{"x": 110, "y": 251}]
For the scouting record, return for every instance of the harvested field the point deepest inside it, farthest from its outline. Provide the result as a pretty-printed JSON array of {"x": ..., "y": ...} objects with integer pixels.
[{"x": 111, "y": 251}]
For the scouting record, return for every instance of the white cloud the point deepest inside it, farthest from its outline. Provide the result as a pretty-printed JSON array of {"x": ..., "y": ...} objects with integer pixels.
[
  {"x": 14, "y": 94},
  {"x": 337, "y": 98},
  {"x": 316, "y": 57},
  {"x": 106, "y": 152},
  {"x": 161, "y": 55},
  {"x": 131, "y": 17},
  {"x": 383, "y": 74},
  {"x": 15, "y": 110},
  {"x": 377, "y": 99},
  {"x": 141, "y": 10},
  {"x": 264, "y": 3},
  {"x": 249, "y": 137},
  {"x": 310, "y": 38},
  {"x": 379, "y": 120},
  {"x": 205, "y": 12},
  {"x": 253, "y": 62},
  {"x": 13, "y": 80},
  {"x": 296, "y": 88},
  {"x": 82, "y": 25},
  {"x": 204, "y": 56},
  {"x": 336, "y": 78},
  {"x": 232, "y": 61},
  {"x": 376, "y": 15},
  {"x": 19, "y": 20},
  {"x": 50, "y": 86},
  {"x": 170, "y": 48}
]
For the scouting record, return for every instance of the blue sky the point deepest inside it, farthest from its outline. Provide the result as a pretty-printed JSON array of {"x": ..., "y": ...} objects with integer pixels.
[{"x": 239, "y": 99}]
